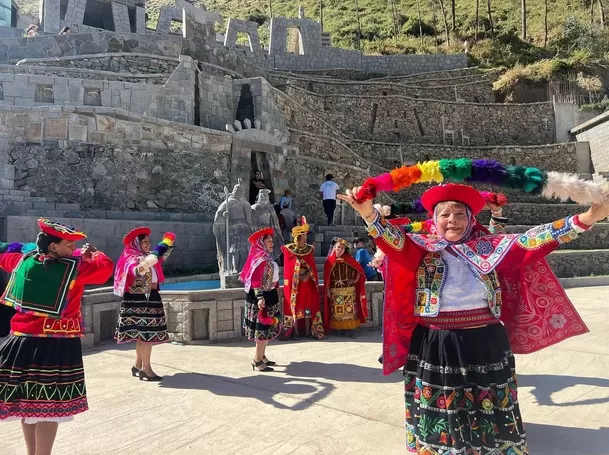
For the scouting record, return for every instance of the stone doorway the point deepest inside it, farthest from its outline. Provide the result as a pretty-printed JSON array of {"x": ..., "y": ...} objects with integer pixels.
[{"x": 260, "y": 162}]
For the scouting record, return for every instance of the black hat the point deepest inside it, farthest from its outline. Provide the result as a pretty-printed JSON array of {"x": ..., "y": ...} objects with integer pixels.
[{"x": 329, "y": 177}]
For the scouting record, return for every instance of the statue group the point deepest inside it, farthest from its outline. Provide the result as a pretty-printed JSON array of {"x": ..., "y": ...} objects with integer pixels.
[{"x": 234, "y": 222}]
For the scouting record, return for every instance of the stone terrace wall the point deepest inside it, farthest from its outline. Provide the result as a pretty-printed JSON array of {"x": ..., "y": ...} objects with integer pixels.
[
  {"x": 596, "y": 132},
  {"x": 477, "y": 92},
  {"x": 195, "y": 242},
  {"x": 393, "y": 118},
  {"x": 80, "y": 73},
  {"x": 424, "y": 75},
  {"x": 112, "y": 159},
  {"x": 215, "y": 98},
  {"x": 49, "y": 46},
  {"x": 122, "y": 62},
  {"x": 175, "y": 101},
  {"x": 566, "y": 157},
  {"x": 37, "y": 90}
]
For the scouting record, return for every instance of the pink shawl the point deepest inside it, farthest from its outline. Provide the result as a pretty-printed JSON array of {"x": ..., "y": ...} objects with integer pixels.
[
  {"x": 126, "y": 264},
  {"x": 257, "y": 255}
]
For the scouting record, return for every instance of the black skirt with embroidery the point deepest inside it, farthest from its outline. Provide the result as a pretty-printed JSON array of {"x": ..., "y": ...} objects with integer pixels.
[
  {"x": 41, "y": 379},
  {"x": 142, "y": 319},
  {"x": 254, "y": 329},
  {"x": 461, "y": 393}
]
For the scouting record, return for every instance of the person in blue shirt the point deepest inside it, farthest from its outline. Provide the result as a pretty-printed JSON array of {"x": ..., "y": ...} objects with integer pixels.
[{"x": 364, "y": 257}]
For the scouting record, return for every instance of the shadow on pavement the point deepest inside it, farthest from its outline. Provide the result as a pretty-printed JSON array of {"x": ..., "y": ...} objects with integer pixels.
[
  {"x": 340, "y": 372},
  {"x": 554, "y": 440},
  {"x": 264, "y": 387},
  {"x": 547, "y": 384}
]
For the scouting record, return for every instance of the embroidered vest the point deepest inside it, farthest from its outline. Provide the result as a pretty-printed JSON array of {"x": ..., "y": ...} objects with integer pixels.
[{"x": 431, "y": 276}]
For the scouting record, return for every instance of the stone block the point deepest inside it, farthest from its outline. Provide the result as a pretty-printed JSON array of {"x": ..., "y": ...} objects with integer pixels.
[
  {"x": 224, "y": 304},
  {"x": 56, "y": 128},
  {"x": 96, "y": 137},
  {"x": 225, "y": 315},
  {"x": 199, "y": 321},
  {"x": 78, "y": 133},
  {"x": 33, "y": 132},
  {"x": 225, "y": 326}
]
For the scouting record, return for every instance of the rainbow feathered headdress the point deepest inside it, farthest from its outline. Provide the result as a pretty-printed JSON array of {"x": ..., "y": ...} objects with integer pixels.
[{"x": 531, "y": 180}]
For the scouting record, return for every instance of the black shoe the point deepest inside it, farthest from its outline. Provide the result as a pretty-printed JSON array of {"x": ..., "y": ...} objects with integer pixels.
[
  {"x": 145, "y": 377},
  {"x": 261, "y": 366},
  {"x": 268, "y": 362},
  {"x": 380, "y": 359},
  {"x": 135, "y": 372}
]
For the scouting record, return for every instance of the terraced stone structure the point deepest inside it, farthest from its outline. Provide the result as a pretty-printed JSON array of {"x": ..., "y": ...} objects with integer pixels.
[{"x": 116, "y": 125}]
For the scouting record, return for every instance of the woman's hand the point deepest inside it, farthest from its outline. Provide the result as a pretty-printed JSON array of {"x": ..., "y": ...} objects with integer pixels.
[
  {"x": 260, "y": 304},
  {"x": 365, "y": 209},
  {"x": 87, "y": 251},
  {"x": 596, "y": 213}
]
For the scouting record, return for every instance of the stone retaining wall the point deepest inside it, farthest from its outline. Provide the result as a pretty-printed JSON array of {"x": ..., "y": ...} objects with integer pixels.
[
  {"x": 79, "y": 73},
  {"x": 119, "y": 62},
  {"x": 596, "y": 132},
  {"x": 566, "y": 157},
  {"x": 111, "y": 159},
  {"x": 400, "y": 119},
  {"x": 476, "y": 92}
]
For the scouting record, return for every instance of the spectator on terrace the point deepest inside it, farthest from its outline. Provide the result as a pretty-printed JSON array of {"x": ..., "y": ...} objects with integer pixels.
[
  {"x": 327, "y": 192},
  {"x": 32, "y": 30},
  {"x": 287, "y": 201}
]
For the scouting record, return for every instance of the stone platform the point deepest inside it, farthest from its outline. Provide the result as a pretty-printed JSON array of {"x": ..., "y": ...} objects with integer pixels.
[{"x": 325, "y": 398}]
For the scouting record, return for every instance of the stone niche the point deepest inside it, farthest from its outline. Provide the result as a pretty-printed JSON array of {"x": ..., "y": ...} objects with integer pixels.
[
  {"x": 92, "y": 97},
  {"x": 44, "y": 94}
]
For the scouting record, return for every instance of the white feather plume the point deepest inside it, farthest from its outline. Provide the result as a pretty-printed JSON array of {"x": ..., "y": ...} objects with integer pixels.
[
  {"x": 384, "y": 210},
  {"x": 149, "y": 261},
  {"x": 563, "y": 186}
]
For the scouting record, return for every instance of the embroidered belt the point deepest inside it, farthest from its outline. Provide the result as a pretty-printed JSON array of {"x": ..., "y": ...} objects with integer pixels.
[{"x": 450, "y": 320}]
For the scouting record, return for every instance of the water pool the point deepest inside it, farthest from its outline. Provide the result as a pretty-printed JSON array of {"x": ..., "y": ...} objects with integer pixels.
[
  {"x": 196, "y": 285},
  {"x": 192, "y": 285}
]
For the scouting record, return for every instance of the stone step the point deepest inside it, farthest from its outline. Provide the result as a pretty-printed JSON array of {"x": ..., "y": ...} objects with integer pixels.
[{"x": 572, "y": 263}]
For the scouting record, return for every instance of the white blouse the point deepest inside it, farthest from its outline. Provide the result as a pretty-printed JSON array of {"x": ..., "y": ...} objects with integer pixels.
[{"x": 462, "y": 289}]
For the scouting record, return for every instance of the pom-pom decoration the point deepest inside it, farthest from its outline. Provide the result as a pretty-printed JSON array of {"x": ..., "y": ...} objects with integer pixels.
[
  {"x": 160, "y": 251},
  {"x": 264, "y": 318},
  {"x": 531, "y": 180},
  {"x": 16, "y": 247}
]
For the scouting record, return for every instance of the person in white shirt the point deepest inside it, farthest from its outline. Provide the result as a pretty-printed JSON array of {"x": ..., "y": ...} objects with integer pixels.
[{"x": 327, "y": 191}]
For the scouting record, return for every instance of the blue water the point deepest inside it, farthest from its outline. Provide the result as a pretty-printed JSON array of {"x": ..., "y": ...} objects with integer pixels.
[
  {"x": 196, "y": 285},
  {"x": 192, "y": 285}
]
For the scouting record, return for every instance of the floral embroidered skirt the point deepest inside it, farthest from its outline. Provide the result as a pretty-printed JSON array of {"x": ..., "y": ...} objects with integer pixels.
[
  {"x": 461, "y": 393},
  {"x": 254, "y": 329},
  {"x": 41, "y": 379},
  {"x": 142, "y": 318}
]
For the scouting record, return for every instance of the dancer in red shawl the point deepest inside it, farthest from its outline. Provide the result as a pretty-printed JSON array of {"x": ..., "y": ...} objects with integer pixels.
[
  {"x": 42, "y": 380},
  {"x": 345, "y": 297},
  {"x": 260, "y": 277},
  {"x": 300, "y": 291},
  {"x": 446, "y": 296},
  {"x": 137, "y": 279}
]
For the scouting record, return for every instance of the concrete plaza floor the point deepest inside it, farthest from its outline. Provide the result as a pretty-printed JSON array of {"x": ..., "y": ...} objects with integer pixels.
[{"x": 325, "y": 398}]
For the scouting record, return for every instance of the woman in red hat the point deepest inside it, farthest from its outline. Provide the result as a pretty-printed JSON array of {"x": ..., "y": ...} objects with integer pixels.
[
  {"x": 137, "y": 278},
  {"x": 459, "y": 303},
  {"x": 260, "y": 277},
  {"x": 42, "y": 380}
]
